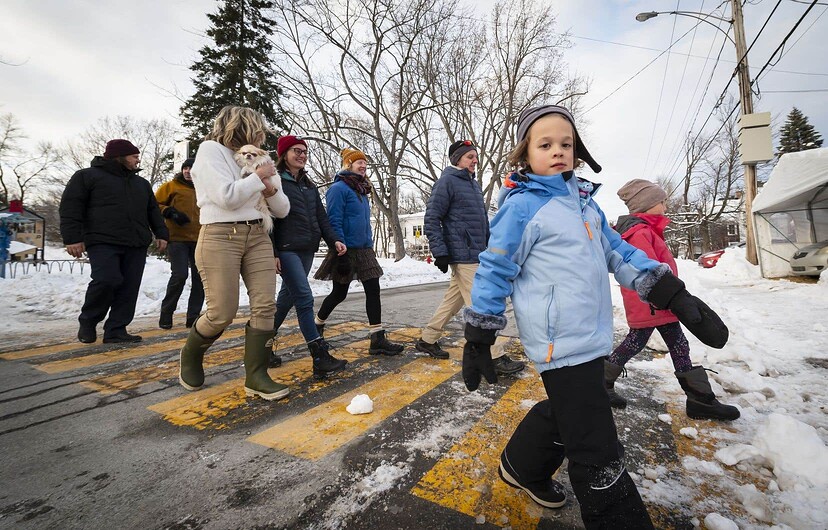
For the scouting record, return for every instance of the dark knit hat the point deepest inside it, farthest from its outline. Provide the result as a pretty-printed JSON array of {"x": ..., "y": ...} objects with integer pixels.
[
  {"x": 533, "y": 114},
  {"x": 187, "y": 163},
  {"x": 286, "y": 142},
  {"x": 640, "y": 195},
  {"x": 458, "y": 149},
  {"x": 119, "y": 147}
]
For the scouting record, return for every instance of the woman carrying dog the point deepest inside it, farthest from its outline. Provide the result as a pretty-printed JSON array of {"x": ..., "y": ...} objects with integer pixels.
[{"x": 233, "y": 242}]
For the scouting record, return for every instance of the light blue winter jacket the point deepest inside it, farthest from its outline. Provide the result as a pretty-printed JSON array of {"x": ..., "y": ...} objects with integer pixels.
[{"x": 552, "y": 257}]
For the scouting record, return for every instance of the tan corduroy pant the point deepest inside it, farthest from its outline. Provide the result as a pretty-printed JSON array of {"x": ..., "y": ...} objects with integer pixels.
[
  {"x": 457, "y": 295},
  {"x": 223, "y": 252}
]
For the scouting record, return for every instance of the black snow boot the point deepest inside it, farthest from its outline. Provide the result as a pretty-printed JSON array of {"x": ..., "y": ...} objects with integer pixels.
[
  {"x": 324, "y": 364},
  {"x": 87, "y": 334},
  {"x": 320, "y": 328},
  {"x": 701, "y": 402},
  {"x": 380, "y": 345},
  {"x": 275, "y": 360},
  {"x": 611, "y": 373}
]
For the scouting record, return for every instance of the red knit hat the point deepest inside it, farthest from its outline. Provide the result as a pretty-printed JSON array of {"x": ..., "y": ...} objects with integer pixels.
[
  {"x": 119, "y": 147},
  {"x": 286, "y": 142}
]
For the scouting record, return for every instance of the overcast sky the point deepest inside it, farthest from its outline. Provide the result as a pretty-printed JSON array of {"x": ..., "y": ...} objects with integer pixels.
[{"x": 86, "y": 59}]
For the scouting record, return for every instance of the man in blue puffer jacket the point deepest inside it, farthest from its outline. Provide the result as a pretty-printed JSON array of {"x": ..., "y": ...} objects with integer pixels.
[{"x": 457, "y": 227}]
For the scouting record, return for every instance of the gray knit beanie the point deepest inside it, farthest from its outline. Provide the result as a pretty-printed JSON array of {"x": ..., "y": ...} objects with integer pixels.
[
  {"x": 640, "y": 195},
  {"x": 533, "y": 114}
]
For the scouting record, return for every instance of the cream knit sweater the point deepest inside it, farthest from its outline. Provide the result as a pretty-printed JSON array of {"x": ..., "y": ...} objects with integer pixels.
[{"x": 221, "y": 193}]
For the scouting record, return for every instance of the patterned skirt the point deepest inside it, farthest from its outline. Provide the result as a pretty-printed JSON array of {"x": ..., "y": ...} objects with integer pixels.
[{"x": 362, "y": 265}]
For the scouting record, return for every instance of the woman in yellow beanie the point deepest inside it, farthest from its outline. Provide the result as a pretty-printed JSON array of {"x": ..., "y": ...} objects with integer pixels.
[{"x": 349, "y": 210}]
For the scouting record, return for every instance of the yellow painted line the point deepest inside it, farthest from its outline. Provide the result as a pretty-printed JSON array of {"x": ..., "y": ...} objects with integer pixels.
[
  {"x": 327, "y": 427},
  {"x": 203, "y": 409},
  {"x": 112, "y": 384},
  {"x": 121, "y": 354},
  {"x": 466, "y": 479},
  {"x": 69, "y": 346}
]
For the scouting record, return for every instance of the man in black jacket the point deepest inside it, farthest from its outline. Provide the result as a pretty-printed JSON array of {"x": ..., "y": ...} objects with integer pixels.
[{"x": 110, "y": 212}]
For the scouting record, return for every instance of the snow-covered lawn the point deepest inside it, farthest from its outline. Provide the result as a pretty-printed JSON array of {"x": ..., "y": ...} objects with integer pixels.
[{"x": 767, "y": 469}]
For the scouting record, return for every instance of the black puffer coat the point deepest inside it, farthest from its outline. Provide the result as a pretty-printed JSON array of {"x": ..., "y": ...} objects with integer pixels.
[
  {"x": 107, "y": 203},
  {"x": 307, "y": 221},
  {"x": 456, "y": 222}
]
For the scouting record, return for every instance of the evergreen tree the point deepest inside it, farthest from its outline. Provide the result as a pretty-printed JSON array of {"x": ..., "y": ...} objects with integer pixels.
[
  {"x": 798, "y": 134},
  {"x": 235, "y": 69}
]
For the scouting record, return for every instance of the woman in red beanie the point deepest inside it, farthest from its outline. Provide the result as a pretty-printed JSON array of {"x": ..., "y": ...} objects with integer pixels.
[{"x": 295, "y": 241}]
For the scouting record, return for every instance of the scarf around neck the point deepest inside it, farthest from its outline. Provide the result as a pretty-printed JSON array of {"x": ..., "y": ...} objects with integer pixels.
[{"x": 356, "y": 182}]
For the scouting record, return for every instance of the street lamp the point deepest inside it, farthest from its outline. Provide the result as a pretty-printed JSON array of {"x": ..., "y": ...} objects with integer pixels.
[
  {"x": 647, "y": 15},
  {"x": 745, "y": 97}
]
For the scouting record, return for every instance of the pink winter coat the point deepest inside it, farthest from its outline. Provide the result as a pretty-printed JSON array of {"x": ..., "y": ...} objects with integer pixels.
[{"x": 646, "y": 232}]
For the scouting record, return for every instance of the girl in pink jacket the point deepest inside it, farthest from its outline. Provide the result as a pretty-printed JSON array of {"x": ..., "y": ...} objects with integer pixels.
[{"x": 644, "y": 229}]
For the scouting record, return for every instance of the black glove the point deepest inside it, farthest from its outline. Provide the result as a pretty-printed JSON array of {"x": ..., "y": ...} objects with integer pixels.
[
  {"x": 442, "y": 263},
  {"x": 343, "y": 265},
  {"x": 179, "y": 218},
  {"x": 477, "y": 356},
  {"x": 669, "y": 293}
]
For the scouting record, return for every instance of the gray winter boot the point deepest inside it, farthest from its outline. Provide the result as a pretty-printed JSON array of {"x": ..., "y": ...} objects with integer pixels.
[
  {"x": 191, "y": 369},
  {"x": 257, "y": 382},
  {"x": 611, "y": 373},
  {"x": 701, "y": 402}
]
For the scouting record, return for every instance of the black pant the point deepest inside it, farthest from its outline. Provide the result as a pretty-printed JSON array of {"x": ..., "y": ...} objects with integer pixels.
[
  {"x": 182, "y": 258},
  {"x": 373, "y": 306},
  {"x": 116, "y": 278},
  {"x": 576, "y": 422}
]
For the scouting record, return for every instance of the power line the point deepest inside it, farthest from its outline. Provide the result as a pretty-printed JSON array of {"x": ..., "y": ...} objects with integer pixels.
[{"x": 794, "y": 91}]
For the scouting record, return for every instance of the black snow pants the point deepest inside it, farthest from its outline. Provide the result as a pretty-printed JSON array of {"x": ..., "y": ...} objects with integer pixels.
[
  {"x": 182, "y": 262},
  {"x": 576, "y": 422}
]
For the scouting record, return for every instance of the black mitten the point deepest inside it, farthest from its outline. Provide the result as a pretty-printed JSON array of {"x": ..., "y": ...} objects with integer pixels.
[
  {"x": 343, "y": 265},
  {"x": 442, "y": 263},
  {"x": 477, "y": 356},
  {"x": 178, "y": 217},
  {"x": 669, "y": 293}
]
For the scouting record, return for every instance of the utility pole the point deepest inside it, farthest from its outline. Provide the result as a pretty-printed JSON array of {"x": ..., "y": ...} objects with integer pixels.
[{"x": 746, "y": 100}]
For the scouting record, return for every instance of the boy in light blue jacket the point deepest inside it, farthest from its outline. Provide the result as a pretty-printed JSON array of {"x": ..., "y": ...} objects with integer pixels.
[{"x": 550, "y": 250}]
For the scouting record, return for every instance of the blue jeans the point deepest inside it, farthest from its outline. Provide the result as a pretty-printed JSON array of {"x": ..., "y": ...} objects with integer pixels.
[{"x": 296, "y": 291}]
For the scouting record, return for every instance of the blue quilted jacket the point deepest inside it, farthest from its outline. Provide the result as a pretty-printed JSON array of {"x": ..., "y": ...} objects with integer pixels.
[{"x": 456, "y": 222}]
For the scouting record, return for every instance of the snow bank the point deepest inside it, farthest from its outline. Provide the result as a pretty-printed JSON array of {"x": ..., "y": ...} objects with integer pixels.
[{"x": 795, "y": 451}]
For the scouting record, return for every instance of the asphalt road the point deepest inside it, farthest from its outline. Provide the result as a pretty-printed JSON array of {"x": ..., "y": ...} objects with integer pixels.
[{"x": 103, "y": 436}]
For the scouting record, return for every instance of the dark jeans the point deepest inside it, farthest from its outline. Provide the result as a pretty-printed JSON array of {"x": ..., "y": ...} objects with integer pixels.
[
  {"x": 373, "y": 306},
  {"x": 576, "y": 422},
  {"x": 116, "y": 278},
  {"x": 182, "y": 258},
  {"x": 296, "y": 291}
]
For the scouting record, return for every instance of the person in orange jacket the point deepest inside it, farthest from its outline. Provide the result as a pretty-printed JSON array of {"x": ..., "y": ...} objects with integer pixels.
[{"x": 177, "y": 200}]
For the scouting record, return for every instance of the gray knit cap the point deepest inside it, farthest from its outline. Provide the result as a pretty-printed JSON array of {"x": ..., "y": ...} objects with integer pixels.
[
  {"x": 640, "y": 195},
  {"x": 533, "y": 114}
]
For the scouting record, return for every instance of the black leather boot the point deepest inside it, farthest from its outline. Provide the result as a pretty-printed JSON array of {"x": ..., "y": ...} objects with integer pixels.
[
  {"x": 380, "y": 345},
  {"x": 324, "y": 364}
]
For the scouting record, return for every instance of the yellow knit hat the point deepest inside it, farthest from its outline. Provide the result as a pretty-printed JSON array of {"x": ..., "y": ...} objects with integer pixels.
[{"x": 349, "y": 156}]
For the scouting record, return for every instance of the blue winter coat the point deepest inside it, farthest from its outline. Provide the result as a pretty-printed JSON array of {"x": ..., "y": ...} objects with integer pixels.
[
  {"x": 456, "y": 222},
  {"x": 552, "y": 257},
  {"x": 350, "y": 214}
]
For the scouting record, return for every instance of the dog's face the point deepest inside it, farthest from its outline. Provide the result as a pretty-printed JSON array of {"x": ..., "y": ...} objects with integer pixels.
[{"x": 251, "y": 156}]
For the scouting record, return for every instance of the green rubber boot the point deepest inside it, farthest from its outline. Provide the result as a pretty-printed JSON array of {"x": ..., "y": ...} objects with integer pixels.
[
  {"x": 257, "y": 382},
  {"x": 191, "y": 368}
]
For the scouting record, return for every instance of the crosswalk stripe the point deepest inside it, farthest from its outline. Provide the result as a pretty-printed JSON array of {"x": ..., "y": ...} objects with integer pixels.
[
  {"x": 205, "y": 409},
  {"x": 112, "y": 384},
  {"x": 70, "y": 346},
  {"x": 327, "y": 427},
  {"x": 466, "y": 478}
]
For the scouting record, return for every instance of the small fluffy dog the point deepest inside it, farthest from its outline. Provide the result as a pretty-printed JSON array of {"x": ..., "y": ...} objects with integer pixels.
[{"x": 249, "y": 157}]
